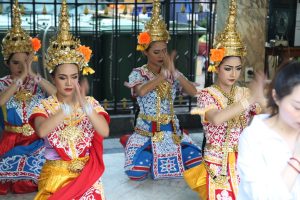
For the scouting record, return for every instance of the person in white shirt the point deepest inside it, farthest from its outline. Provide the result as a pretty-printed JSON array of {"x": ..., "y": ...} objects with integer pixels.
[{"x": 269, "y": 149}]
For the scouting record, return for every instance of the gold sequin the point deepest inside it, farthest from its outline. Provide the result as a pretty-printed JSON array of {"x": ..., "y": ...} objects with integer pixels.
[{"x": 23, "y": 95}]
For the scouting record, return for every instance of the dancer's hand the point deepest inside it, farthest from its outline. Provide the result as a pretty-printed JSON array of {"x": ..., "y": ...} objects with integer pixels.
[
  {"x": 169, "y": 60},
  {"x": 79, "y": 96},
  {"x": 84, "y": 87},
  {"x": 28, "y": 64},
  {"x": 164, "y": 72},
  {"x": 24, "y": 73},
  {"x": 257, "y": 86}
]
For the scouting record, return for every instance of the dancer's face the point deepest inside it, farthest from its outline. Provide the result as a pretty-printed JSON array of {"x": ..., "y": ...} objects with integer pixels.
[
  {"x": 156, "y": 52},
  {"x": 65, "y": 78},
  {"x": 16, "y": 63},
  {"x": 229, "y": 71}
]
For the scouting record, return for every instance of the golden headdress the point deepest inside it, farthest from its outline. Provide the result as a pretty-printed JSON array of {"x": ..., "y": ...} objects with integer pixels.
[
  {"x": 228, "y": 42},
  {"x": 17, "y": 40},
  {"x": 155, "y": 29},
  {"x": 65, "y": 48}
]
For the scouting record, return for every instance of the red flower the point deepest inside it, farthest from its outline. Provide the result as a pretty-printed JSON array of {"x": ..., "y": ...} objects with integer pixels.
[
  {"x": 144, "y": 38},
  {"x": 86, "y": 51},
  {"x": 217, "y": 55},
  {"x": 36, "y": 44}
]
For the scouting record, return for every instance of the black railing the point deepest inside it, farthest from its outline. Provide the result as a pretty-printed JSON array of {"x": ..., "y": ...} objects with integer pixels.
[{"x": 110, "y": 28}]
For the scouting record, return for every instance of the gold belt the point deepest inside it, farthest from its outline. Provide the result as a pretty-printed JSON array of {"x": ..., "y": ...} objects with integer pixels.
[
  {"x": 25, "y": 130},
  {"x": 156, "y": 136},
  {"x": 162, "y": 119},
  {"x": 76, "y": 165},
  {"x": 221, "y": 149}
]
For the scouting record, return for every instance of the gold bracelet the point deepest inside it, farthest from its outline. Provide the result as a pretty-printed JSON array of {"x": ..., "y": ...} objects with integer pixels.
[{"x": 245, "y": 103}]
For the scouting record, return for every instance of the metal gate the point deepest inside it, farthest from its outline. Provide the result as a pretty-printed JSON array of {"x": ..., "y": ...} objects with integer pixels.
[{"x": 111, "y": 27}]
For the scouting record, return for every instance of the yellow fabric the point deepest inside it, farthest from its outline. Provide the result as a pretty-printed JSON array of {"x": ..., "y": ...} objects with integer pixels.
[
  {"x": 202, "y": 192},
  {"x": 231, "y": 159},
  {"x": 233, "y": 172},
  {"x": 53, "y": 177},
  {"x": 196, "y": 180}
]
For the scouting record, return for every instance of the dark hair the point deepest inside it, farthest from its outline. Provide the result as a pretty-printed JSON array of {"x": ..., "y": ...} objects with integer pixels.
[
  {"x": 54, "y": 71},
  {"x": 287, "y": 77}
]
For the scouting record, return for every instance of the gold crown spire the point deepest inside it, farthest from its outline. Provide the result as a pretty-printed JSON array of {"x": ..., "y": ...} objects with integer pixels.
[
  {"x": 229, "y": 38},
  {"x": 155, "y": 29},
  {"x": 157, "y": 26},
  {"x": 228, "y": 42},
  {"x": 16, "y": 25},
  {"x": 66, "y": 48},
  {"x": 16, "y": 40}
]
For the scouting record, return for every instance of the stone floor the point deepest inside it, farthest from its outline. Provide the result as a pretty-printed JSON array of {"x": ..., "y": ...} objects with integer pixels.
[{"x": 118, "y": 186}]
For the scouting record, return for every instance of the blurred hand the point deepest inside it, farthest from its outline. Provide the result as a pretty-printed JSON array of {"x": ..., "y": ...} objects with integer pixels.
[
  {"x": 84, "y": 87},
  {"x": 257, "y": 86},
  {"x": 165, "y": 73},
  {"x": 24, "y": 73},
  {"x": 169, "y": 61},
  {"x": 29, "y": 64},
  {"x": 79, "y": 97}
]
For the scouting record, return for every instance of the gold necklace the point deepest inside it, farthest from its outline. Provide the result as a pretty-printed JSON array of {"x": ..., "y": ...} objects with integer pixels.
[
  {"x": 229, "y": 96},
  {"x": 164, "y": 88},
  {"x": 154, "y": 73},
  {"x": 71, "y": 134}
]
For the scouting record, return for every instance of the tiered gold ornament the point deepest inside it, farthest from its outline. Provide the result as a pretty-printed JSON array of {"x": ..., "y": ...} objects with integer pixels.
[
  {"x": 228, "y": 42},
  {"x": 65, "y": 48},
  {"x": 230, "y": 39},
  {"x": 17, "y": 39},
  {"x": 155, "y": 28}
]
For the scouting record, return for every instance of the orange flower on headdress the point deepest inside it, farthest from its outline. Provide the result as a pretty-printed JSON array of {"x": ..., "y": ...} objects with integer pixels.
[
  {"x": 86, "y": 51},
  {"x": 217, "y": 55},
  {"x": 144, "y": 38},
  {"x": 36, "y": 44}
]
